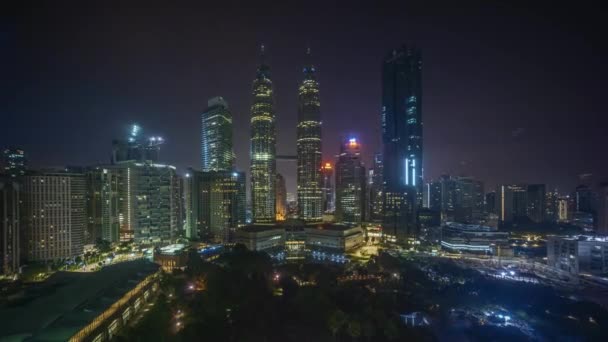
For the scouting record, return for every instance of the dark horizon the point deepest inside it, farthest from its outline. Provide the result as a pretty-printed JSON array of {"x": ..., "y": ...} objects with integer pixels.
[{"x": 510, "y": 95}]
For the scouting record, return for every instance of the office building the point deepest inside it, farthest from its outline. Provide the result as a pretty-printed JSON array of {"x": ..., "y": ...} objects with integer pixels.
[
  {"x": 136, "y": 148},
  {"x": 563, "y": 209},
  {"x": 216, "y": 136},
  {"x": 310, "y": 194},
  {"x": 512, "y": 201},
  {"x": 333, "y": 237},
  {"x": 215, "y": 204},
  {"x": 536, "y": 204},
  {"x": 578, "y": 254},
  {"x": 401, "y": 118},
  {"x": 491, "y": 202},
  {"x": 327, "y": 186},
  {"x": 15, "y": 163},
  {"x": 10, "y": 229},
  {"x": 376, "y": 186},
  {"x": 104, "y": 202},
  {"x": 602, "y": 227},
  {"x": 54, "y": 220},
  {"x": 473, "y": 238},
  {"x": 460, "y": 199},
  {"x": 281, "y": 195},
  {"x": 192, "y": 204},
  {"x": 551, "y": 206},
  {"x": 350, "y": 184},
  {"x": 434, "y": 193},
  {"x": 263, "y": 147},
  {"x": 261, "y": 237}
]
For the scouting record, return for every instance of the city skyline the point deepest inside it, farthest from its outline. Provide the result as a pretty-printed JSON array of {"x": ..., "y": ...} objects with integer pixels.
[
  {"x": 315, "y": 171},
  {"x": 531, "y": 130}
]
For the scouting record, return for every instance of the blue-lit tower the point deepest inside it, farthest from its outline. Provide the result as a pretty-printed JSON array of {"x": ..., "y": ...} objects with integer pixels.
[{"x": 402, "y": 140}]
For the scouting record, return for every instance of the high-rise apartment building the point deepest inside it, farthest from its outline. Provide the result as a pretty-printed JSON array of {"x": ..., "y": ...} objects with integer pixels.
[
  {"x": 54, "y": 218},
  {"x": 149, "y": 211},
  {"x": 350, "y": 184},
  {"x": 263, "y": 147},
  {"x": 216, "y": 136},
  {"x": 310, "y": 195}
]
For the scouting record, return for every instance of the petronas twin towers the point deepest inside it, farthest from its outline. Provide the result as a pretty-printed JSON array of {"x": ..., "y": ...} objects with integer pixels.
[{"x": 263, "y": 147}]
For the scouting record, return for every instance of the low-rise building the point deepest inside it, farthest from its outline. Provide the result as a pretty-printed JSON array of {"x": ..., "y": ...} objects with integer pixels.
[
  {"x": 171, "y": 257},
  {"x": 473, "y": 238},
  {"x": 334, "y": 237},
  {"x": 81, "y": 306},
  {"x": 578, "y": 254},
  {"x": 259, "y": 237}
]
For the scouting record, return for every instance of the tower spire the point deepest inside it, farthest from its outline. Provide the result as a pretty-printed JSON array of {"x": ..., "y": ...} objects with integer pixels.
[{"x": 262, "y": 53}]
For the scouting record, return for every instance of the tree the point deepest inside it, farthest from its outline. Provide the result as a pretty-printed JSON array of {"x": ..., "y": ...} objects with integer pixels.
[
  {"x": 368, "y": 330},
  {"x": 354, "y": 328},
  {"x": 335, "y": 321},
  {"x": 391, "y": 331}
]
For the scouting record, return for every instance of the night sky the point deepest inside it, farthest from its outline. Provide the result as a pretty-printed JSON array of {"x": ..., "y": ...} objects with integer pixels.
[{"x": 510, "y": 94}]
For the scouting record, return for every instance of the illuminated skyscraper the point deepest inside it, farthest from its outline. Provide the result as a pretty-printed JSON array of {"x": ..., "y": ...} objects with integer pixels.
[
  {"x": 281, "y": 198},
  {"x": 327, "y": 173},
  {"x": 350, "y": 184},
  {"x": 310, "y": 202},
  {"x": 263, "y": 147},
  {"x": 401, "y": 119},
  {"x": 14, "y": 162},
  {"x": 216, "y": 136}
]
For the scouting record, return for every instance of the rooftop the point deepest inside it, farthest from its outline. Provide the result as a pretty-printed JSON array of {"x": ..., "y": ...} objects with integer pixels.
[
  {"x": 59, "y": 307},
  {"x": 330, "y": 226},
  {"x": 256, "y": 228}
]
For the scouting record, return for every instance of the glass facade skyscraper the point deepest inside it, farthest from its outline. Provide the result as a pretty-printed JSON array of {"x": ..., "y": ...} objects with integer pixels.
[
  {"x": 350, "y": 184},
  {"x": 263, "y": 147},
  {"x": 216, "y": 136},
  {"x": 310, "y": 201},
  {"x": 214, "y": 203},
  {"x": 401, "y": 118}
]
